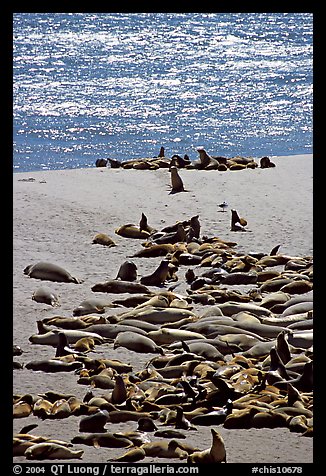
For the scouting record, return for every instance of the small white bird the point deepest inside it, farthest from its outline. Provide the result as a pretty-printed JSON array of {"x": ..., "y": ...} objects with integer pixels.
[{"x": 224, "y": 206}]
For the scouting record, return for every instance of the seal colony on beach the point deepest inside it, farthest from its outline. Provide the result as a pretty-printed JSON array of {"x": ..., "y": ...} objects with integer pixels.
[
  {"x": 205, "y": 162},
  {"x": 220, "y": 336}
]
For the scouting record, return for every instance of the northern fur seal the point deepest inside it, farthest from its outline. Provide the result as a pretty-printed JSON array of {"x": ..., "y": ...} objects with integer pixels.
[
  {"x": 50, "y": 272},
  {"x": 46, "y": 296},
  {"x": 176, "y": 181},
  {"x": 215, "y": 454}
]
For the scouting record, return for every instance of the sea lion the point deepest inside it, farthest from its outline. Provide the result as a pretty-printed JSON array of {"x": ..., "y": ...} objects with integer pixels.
[
  {"x": 90, "y": 305},
  {"x": 159, "y": 315},
  {"x": 167, "y": 335},
  {"x": 99, "y": 440},
  {"x": 146, "y": 424},
  {"x": 50, "y": 272},
  {"x": 137, "y": 343},
  {"x": 159, "y": 276},
  {"x": 237, "y": 223},
  {"x": 215, "y": 454},
  {"x": 131, "y": 456},
  {"x": 53, "y": 365},
  {"x": 94, "y": 422},
  {"x": 176, "y": 181},
  {"x": 131, "y": 231},
  {"x": 215, "y": 417},
  {"x": 179, "y": 235},
  {"x": 46, "y": 296},
  {"x": 297, "y": 287},
  {"x": 127, "y": 271},
  {"x": 205, "y": 161},
  {"x": 52, "y": 337},
  {"x": 155, "y": 250},
  {"x": 103, "y": 239},
  {"x": 24, "y": 406},
  {"x": 114, "y": 163},
  {"x": 101, "y": 162},
  {"x": 117, "y": 286},
  {"x": 143, "y": 224},
  {"x": 303, "y": 339},
  {"x": 164, "y": 449},
  {"x": 42, "y": 451},
  {"x": 169, "y": 433},
  {"x": 17, "y": 350}
]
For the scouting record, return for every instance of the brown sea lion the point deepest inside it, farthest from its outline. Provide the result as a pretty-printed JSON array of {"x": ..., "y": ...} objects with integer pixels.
[
  {"x": 159, "y": 276},
  {"x": 127, "y": 271},
  {"x": 176, "y": 181},
  {"x": 117, "y": 286},
  {"x": 103, "y": 239}
]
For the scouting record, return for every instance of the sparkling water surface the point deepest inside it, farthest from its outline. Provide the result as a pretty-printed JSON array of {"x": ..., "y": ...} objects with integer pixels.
[{"x": 98, "y": 85}]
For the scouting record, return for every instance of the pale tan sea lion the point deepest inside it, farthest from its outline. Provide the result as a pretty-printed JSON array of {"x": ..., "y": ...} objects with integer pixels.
[
  {"x": 215, "y": 454},
  {"x": 103, "y": 239},
  {"x": 41, "y": 451},
  {"x": 164, "y": 449},
  {"x": 46, "y": 296},
  {"x": 167, "y": 335},
  {"x": 136, "y": 342},
  {"x": 23, "y": 407},
  {"x": 50, "y": 272},
  {"x": 52, "y": 337},
  {"x": 90, "y": 305}
]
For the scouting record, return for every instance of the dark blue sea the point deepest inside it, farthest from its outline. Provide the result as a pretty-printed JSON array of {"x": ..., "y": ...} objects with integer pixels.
[{"x": 121, "y": 85}]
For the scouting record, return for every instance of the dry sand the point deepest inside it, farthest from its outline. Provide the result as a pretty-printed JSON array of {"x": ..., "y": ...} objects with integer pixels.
[{"x": 56, "y": 217}]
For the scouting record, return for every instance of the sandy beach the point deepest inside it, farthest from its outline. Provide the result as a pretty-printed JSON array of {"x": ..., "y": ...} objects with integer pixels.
[{"x": 58, "y": 213}]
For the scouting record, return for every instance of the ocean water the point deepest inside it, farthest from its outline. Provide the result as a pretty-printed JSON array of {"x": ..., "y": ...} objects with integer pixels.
[{"x": 121, "y": 85}]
